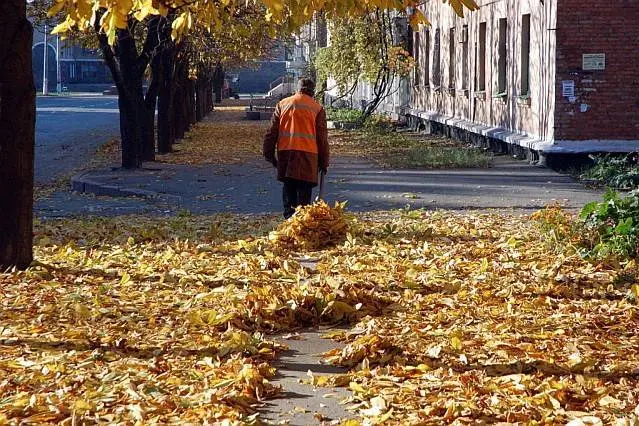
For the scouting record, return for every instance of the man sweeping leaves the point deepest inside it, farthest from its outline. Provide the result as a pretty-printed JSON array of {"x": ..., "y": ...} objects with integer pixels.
[{"x": 298, "y": 133}]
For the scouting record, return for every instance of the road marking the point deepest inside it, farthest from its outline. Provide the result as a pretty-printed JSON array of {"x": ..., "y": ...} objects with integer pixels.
[{"x": 71, "y": 109}]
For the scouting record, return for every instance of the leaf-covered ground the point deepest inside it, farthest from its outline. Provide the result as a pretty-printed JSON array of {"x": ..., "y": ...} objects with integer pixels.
[
  {"x": 463, "y": 318},
  {"x": 225, "y": 137},
  {"x": 407, "y": 149},
  {"x": 107, "y": 154}
]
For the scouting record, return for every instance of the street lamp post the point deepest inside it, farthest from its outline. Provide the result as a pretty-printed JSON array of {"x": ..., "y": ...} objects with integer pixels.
[
  {"x": 45, "y": 82},
  {"x": 58, "y": 86}
]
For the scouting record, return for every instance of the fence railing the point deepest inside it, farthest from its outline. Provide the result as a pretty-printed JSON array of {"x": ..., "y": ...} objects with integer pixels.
[{"x": 283, "y": 79}]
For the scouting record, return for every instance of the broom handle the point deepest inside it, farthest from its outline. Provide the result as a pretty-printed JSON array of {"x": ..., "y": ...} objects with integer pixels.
[{"x": 321, "y": 185}]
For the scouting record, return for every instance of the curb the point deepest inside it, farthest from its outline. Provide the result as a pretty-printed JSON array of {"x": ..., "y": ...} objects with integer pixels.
[
  {"x": 344, "y": 125},
  {"x": 82, "y": 184}
]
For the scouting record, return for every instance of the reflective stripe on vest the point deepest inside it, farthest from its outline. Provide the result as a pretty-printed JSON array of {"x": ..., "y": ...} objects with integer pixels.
[{"x": 297, "y": 124}]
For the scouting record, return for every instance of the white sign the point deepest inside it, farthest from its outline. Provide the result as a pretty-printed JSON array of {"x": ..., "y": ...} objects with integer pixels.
[
  {"x": 568, "y": 88},
  {"x": 594, "y": 61}
]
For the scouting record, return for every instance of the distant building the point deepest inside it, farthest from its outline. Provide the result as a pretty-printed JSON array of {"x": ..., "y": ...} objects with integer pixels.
[
  {"x": 80, "y": 69},
  {"x": 534, "y": 77},
  {"x": 262, "y": 75},
  {"x": 311, "y": 37},
  {"x": 259, "y": 78},
  {"x": 292, "y": 58}
]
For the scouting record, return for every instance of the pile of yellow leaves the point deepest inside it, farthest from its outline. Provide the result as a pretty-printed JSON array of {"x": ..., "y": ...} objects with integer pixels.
[
  {"x": 313, "y": 227},
  {"x": 463, "y": 318}
]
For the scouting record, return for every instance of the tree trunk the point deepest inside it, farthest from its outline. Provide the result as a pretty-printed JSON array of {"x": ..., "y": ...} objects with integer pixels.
[
  {"x": 209, "y": 96},
  {"x": 150, "y": 104},
  {"x": 127, "y": 69},
  {"x": 131, "y": 103},
  {"x": 148, "y": 146},
  {"x": 218, "y": 83},
  {"x": 128, "y": 124},
  {"x": 199, "y": 104},
  {"x": 166, "y": 122},
  {"x": 182, "y": 109},
  {"x": 130, "y": 96},
  {"x": 17, "y": 136},
  {"x": 191, "y": 101},
  {"x": 178, "y": 110}
]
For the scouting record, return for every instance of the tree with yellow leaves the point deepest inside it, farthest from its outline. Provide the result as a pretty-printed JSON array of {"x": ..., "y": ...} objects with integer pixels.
[
  {"x": 119, "y": 23},
  {"x": 116, "y": 21},
  {"x": 362, "y": 49},
  {"x": 291, "y": 14}
]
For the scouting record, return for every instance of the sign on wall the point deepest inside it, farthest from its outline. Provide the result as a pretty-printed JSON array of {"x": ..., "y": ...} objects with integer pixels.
[
  {"x": 568, "y": 88},
  {"x": 594, "y": 61}
]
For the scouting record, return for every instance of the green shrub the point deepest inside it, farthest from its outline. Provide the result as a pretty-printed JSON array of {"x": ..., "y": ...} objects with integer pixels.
[
  {"x": 378, "y": 123},
  {"x": 615, "y": 171},
  {"x": 613, "y": 225},
  {"x": 346, "y": 115}
]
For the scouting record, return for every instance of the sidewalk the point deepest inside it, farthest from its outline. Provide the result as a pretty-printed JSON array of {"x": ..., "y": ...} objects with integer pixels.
[
  {"x": 252, "y": 188},
  {"x": 218, "y": 169}
]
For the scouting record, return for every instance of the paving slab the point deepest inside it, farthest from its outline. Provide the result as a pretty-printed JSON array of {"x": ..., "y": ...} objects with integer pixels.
[
  {"x": 509, "y": 184},
  {"x": 301, "y": 403}
]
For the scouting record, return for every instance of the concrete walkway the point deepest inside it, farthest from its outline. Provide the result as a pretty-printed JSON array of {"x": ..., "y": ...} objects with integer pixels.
[
  {"x": 300, "y": 403},
  {"x": 251, "y": 188}
]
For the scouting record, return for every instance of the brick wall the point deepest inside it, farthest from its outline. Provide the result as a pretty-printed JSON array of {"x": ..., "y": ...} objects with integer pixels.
[{"x": 605, "y": 105}]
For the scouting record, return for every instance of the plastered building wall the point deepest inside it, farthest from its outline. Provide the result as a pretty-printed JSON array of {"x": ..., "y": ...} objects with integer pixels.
[{"x": 530, "y": 113}]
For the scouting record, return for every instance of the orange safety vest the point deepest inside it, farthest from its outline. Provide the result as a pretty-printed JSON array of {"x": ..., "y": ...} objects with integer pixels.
[{"x": 297, "y": 124}]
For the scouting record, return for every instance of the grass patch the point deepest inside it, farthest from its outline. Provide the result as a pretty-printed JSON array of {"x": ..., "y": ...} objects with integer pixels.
[
  {"x": 443, "y": 157},
  {"x": 347, "y": 115},
  {"x": 410, "y": 150}
]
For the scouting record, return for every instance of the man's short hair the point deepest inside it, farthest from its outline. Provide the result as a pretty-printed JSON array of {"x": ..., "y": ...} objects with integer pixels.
[{"x": 306, "y": 85}]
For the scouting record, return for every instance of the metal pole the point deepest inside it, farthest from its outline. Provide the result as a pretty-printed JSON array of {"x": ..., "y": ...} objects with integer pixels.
[
  {"x": 45, "y": 82},
  {"x": 58, "y": 86}
]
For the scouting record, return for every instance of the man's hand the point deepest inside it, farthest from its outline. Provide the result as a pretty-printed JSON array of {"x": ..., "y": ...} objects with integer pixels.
[{"x": 323, "y": 170}]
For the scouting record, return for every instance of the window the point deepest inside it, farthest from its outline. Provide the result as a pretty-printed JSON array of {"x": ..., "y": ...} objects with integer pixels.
[
  {"x": 426, "y": 57},
  {"x": 322, "y": 39},
  {"x": 416, "y": 47},
  {"x": 503, "y": 52},
  {"x": 481, "y": 60},
  {"x": 464, "y": 40},
  {"x": 525, "y": 55},
  {"x": 451, "y": 59},
  {"x": 437, "y": 72}
]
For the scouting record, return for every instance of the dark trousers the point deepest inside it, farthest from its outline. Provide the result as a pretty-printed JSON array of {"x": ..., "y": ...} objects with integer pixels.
[{"x": 296, "y": 193}]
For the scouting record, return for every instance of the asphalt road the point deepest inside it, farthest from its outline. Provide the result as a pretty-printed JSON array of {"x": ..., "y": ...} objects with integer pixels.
[{"x": 68, "y": 131}]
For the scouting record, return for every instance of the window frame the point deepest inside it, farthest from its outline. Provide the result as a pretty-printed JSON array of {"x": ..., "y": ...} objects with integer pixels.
[
  {"x": 502, "y": 57},
  {"x": 524, "y": 82}
]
